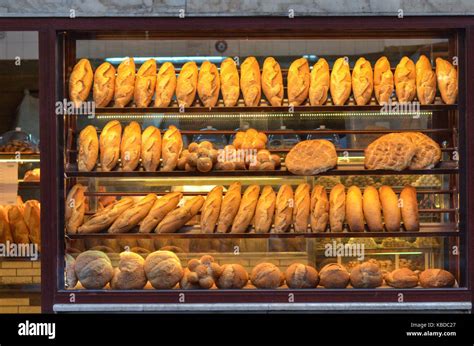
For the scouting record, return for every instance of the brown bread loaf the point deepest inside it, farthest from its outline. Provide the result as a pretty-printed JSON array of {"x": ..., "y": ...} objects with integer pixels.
[
  {"x": 18, "y": 227},
  {"x": 165, "y": 85},
  {"x": 390, "y": 209},
  {"x": 272, "y": 82},
  {"x": 362, "y": 81},
  {"x": 265, "y": 210},
  {"x": 383, "y": 80},
  {"x": 427, "y": 151},
  {"x": 319, "y": 209},
  {"x": 436, "y": 278},
  {"x": 425, "y": 81},
  {"x": 186, "y": 85},
  {"x": 163, "y": 269},
  {"x": 250, "y": 82},
  {"x": 354, "y": 210},
  {"x": 151, "y": 148},
  {"x": 177, "y": 218},
  {"x": 284, "y": 209},
  {"x": 133, "y": 215},
  {"x": 104, "y": 84},
  {"x": 337, "y": 208},
  {"x": 159, "y": 210},
  {"x": 301, "y": 276},
  {"x": 299, "y": 78},
  {"x": 301, "y": 208},
  {"x": 229, "y": 208},
  {"x": 393, "y": 151},
  {"x": 130, "y": 147},
  {"x": 124, "y": 83},
  {"x": 80, "y": 82},
  {"x": 372, "y": 209},
  {"x": 75, "y": 208},
  {"x": 208, "y": 86},
  {"x": 32, "y": 216},
  {"x": 246, "y": 209},
  {"x": 340, "y": 86},
  {"x": 130, "y": 273},
  {"x": 5, "y": 231},
  {"x": 402, "y": 278},
  {"x": 409, "y": 209},
  {"x": 366, "y": 275},
  {"x": 230, "y": 83},
  {"x": 233, "y": 276},
  {"x": 447, "y": 77},
  {"x": 405, "y": 80},
  {"x": 109, "y": 142},
  {"x": 88, "y": 149},
  {"x": 172, "y": 145},
  {"x": 93, "y": 269},
  {"x": 145, "y": 83},
  {"x": 319, "y": 85},
  {"x": 334, "y": 275},
  {"x": 311, "y": 157},
  {"x": 211, "y": 209},
  {"x": 267, "y": 275}
]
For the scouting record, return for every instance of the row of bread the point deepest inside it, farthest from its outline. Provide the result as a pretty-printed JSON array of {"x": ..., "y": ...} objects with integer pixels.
[
  {"x": 163, "y": 269},
  {"x": 257, "y": 208},
  {"x": 20, "y": 223},
  {"x": 125, "y": 84}
]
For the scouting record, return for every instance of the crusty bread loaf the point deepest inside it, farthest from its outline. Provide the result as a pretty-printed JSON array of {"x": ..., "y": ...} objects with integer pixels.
[
  {"x": 311, "y": 157},
  {"x": 427, "y": 151},
  {"x": 436, "y": 278},
  {"x": 211, "y": 209},
  {"x": 299, "y": 276},
  {"x": 88, "y": 145},
  {"x": 133, "y": 215},
  {"x": 93, "y": 269},
  {"x": 186, "y": 84},
  {"x": 70, "y": 278},
  {"x": 267, "y": 275},
  {"x": 80, "y": 82},
  {"x": 130, "y": 273},
  {"x": 299, "y": 78},
  {"x": 109, "y": 142},
  {"x": 383, "y": 80},
  {"x": 32, "y": 216},
  {"x": 18, "y": 227},
  {"x": 250, "y": 82},
  {"x": 447, "y": 77},
  {"x": 229, "y": 208},
  {"x": 230, "y": 83},
  {"x": 301, "y": 208},
  {"x": 104, "y": 84},
  {"x": 151, "y": 148},
  {"x": 319, "y": 209},
  {"x": 362, "y": 81},
  {"x": 334, "y": 275},
  {"x": 5, "y": 231},
  {"x": 75, "y": 208},
  {"x": 409, "y": 209},
  {"x": 354, "y": 210},
  {"x": 233, "y": 276},
  {"x": 130, "y": 147},
  {"x": 319, "y": 85},
  {"x": 392, "y": 151},
  {"x": 405, "y": 80},
  {"x": 145, "y": 83},
  {"x": 159, "y": 210},
  {"x": 265, "y": 210},
  {"x": 390, "y": 209},
  {"x": 425, "y": 81},
  {"x": 366, "y": 275},
  {"x": 246, "y": 209},
  {"x": 124, "y": 83},
  {"x": 172, "y": 145},
  {"x": 209, "y": 84},
  {"x": 372, "y": 209},
  {"x": 272, "y": 81},
  {"x": 177, "y": 218},
  {"x": 340, "y": 86},
  {"x": 284, "y": 209},
  {"x": 401, "y": 278},
  {"x": 163, "y": 269},
  {"x": 32, "y": 175},
  {"x": 337, "y": 208},
  {"x": 165, "y": 85}
]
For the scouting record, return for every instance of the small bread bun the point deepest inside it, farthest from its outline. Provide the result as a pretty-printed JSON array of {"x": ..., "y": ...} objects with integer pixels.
[
  {"x": 436, "y": 278},
  {"x": 366, "y": 275},
  {"x": 266, "y": 275},
  {"x": 402, "y": 278}
]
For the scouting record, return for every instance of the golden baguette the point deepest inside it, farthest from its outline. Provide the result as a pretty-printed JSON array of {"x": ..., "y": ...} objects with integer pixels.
[
  {"x": 165, "y": 85},
  {"x": 354, "y": 209},
  {"x": 124, "y": 83},
  {"x": 299, "y": 78},
  {"x": 265, "y": 210},
  {"x": 104, "y": 84},
  {"x": 405, "y": 80},
  {"x": 340, "y": 86},
  {"x": 246, "y": 209},
  {"x": 151, "y": 148},
  {"x": 176, "y": 219},
  {"x": 319, "y": 85},
  {"x": 18, "y": 227},
  {"x": 229, "y": 208},
  {"x": 362, "y": 81},
  {"x": 390, "y": 208},
  {"x": 211, "y": 209},
  {"x": 372, "y": 209},
  {"x": 109, "y": 143},
  {"x": 447, "y": 76},
  {"x": 319, "y": 209},
  {"x": 88, "y": 144},
  {"x": 272, "y": 82},
  {"x": 337, "y": 208},
  {"x": 209, "y": 84},
  {"x": 383, "y": 80},
  {"x": 145, "y": 83},
  {"x": 80, "y": 82},
  {"x": 186, "y": 84},
  {"x": 159, "y": 210},
  {"x": 32, "y": 216},
  {"x": 75, "y": 208},
  {"x": 409, "y": 209},
  {"x": 425, "y": 81},
  {"x": 130, "y": 147},
  {"x": 284, "y": 209},
  {"x": 250, "y": 83},
  {"x": 5, "y": 231},
  {"x": 133, "y": 215},
  {"x": 172, "y": 145},
  {"x": 302, "y": 208},
  {"x": 230, "y": 83}
]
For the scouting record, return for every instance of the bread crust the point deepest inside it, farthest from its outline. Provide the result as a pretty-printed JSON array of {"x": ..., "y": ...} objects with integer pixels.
[
  {"x": 209, "y": 84},
  {"x": 177, "y": 218},
  {"x": 311, "y": 157},
  {"x": 75, "y": 208},
  {"x": 133, "y": 215},
  {"x": 145, "y": 83},
  {"x": 334, "y": 275},
  {"x": 266, "y": 275},
  {"x": 301, "y": 276},
  {"x": 319, "y": 85},
  {"x": 104, "y": 84},
  {"x": 425, "y": 81},
  {"x": 302, "y": 208},
  {"x": 436, "y": 278},
  {"x": 392, "y": 151},
  {"x": 186, "y": 85},
  {"x": 159, "y": 210},
  {"x": 211, "y": 209},
  {"x": 88, "y": 145},
  {"x": 246, "y": 209},
  {"x": 229, "y": 208},
  {"x": 172, "y": 145},
  {"x": 151, "y": 148},
  {"x": 230, "y": 82}
]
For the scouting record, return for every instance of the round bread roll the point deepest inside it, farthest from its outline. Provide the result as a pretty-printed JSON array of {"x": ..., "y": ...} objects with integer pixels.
[
  {"x": 93, "y": 269},
  {"x": 70, "y": 277},
  {"x": 436, "y": 278},
  {"x": 163, "y": 269},
  {"x": 233, "y": 276},
  {"x": 334, "y": 275},
  {"x": 337, "y": 208},
  {"x": 311, "y": 157},
  {"x": 372, "y": 209},
  {"x": 366, "y": 275},
  {"x": 402, "y": 278},
  {"x": 266, "y": 275},
  {"x": 391, "y": 211},
  {"x": 130, "y": 274},
  {"x": 409, "y": 207},
  {"x": 301, "y": 276},
  {"x": 354, "y": 211}
]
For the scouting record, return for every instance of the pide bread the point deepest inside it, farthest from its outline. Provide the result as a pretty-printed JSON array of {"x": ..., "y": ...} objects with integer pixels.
[
  {"x": 75, "y": 208},
  {"x": 208, "y": 86},
  {"x": 186, "y": 84},
  {"x": 425, "y": 81},
  {"x": 159, "y": 210},
  {"x": 233, "y": 276},
  {"x": 265, "y": 210},
  {"x": 151, "y": 148},
  {"x": 299, "y": 78},
  {"x": 383, "y": 80},
  {"x": 362, "y": 81},
  {"x": 436, "y": 278},
  {"x": 372, "y": 209},
  {"x": 319, "y": 85},
  {"x": 88, "y": 145},
  {"x": 427, "y": 151},
  {"x": 177, "y": 218},
  {"x": 405, "y": 80},
  {"x": 163, "y": 269},
  {"x": 104, "y": 84},
  {"x": 172, "y": 145},
  {"x": 246, "y": 209},
  {"x": 211, "y": 209},
  {"x": 366, "y": 275},
  {"x": 311, "y": 157},
  {"x": 337, "y": 208},
  {"x": 130, "y": 147},
  {"x": 272, "y": 82},
  {"x": 354, "y": 209},
  {"x": 109, "y": 143},
  {"x": 267, "y": 275},
  {"x": 130, "y": 273},
  {"x": 392, "y": 151},
  {"x": 334, "y": 275},
  {"x": 250, "y": 82},
  {"x": 229, "y": 207},
  {"x": 409, "y": 209},
  {"x": 165, "y": 85},
  {"x": 80, "y": 82},
  {"x": 319, "y": 209},
  {"x": 299, "y": 276},
  {"x": 340, "y": 86},
  {"x": 124, "y": 83},
  {"x": 447, "y": 77},
  {"x": 402, "y": 278},
  {"x": 284, "y": 209},
  {"x": 230, "y": 83},
  {"x": 301, "y": 208},
  {"x": 390, "y": 208},
  {"x": 133, "y": 215},
  {"x": 93, "y": 269}
]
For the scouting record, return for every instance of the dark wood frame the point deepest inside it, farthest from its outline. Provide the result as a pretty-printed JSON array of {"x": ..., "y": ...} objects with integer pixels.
[{"x": 335, "y": 27}]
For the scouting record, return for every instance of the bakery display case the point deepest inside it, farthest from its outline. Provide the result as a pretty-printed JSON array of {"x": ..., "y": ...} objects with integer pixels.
[{"x": 259, "y": 168}]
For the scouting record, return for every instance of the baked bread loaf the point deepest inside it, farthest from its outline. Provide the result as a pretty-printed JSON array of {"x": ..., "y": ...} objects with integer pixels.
[
  {"x": 201, "y": 274},
  {"x": 229, "y": 207},
  {"x": 106, "y": 217},
  {"x": 109, "y": 142},
  {"x": 130, "y": 273},
  {"x": 319, "y": 85},
  {"x": 436, "y": 278},
  {"x": 427, "y": 151},
  {"x": 233, "y": 276},
  {"x": 447, "y": 77},
  {"x": 165, "y": 85},
  {"x": 250, "y": 139},
  {"x": 211, "y": 209},
  {"x": 70, "y": 278},
  {"x": 5, "y": 231},
  {"x": 209, "y": 84},
  {"x": 246, "y": 209},
  {"x": 366, "y": 275},
  {"x": 88, "y": 144},
  {"x": 302, "y": 208},
  {"x": 354, "y": 210},
  {"x": 409, "y": 209},
  {"x": 18, "y": 227},
  {"x": 334, "y": 275},
  {"x": 151, "y": 148},
  {"x": 390, "y": 209},
  {"x": 362, "y": 81},
  {"x": 172, "y": 145},
  {"x": 80, "y": 82},
  {"x": 124, "y": 83},
  {"x": 383, "y": 80},
  {"x": 284, "y": 209},
  {"x": 372, "y": 209},
  {"x": 311, "y": 157},
  {"x": 163, "y": 269},
  {"x": 299, "y": 79},
  {"x": 392, "y": 151},
  {"x": 133, "y": 215},
  {"x": 145, "y": 83},
  {"x": 159, "y": 210},
  {"x": 340, "y": 86},
  {"x": 425, "y": 81},
  {"x": 401, "y": 278},
  {"x": 32, "y": 216},
  {"x": 32, "y": 175},
  {"x": 267, "y": 275},
  {"x": 93, "y": 269},
  {"x": 300, "y": 275},
  {"x": 405, "y": 80},
  {"x": 104, "y": 84},
  {"x": 272, "y": 82},
  {"x": 264, "y": 211},
  {"x": 130, "y": 147},
  {"x": 319, "y": 209},
  {"x": 337, "y": 208},
  {"x": 75, "y": 208},
  {"x": 230, "y": 84},
  {"x": 186, "y": 84},
  {"x": 250, "y": 82},
  {"x": 177, "y": 218}
]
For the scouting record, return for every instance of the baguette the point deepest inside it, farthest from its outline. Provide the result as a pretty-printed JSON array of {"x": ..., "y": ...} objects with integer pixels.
[
  {"x": 319, "y": 85},
  {"x": 130, "y": 146},
  {"x": 229, "y": 82},
  {"x": 447, "y": 76},
  {"x": 390, "y": 209},
  {"x": 176, "y": 219},
  {"x": 405, "y": 80},
  {"x": 133, "y": 215},
  {"x": 230, "y": 206},
  {"x": 159, "y": 210},
  {"x": 337, "y": 208},
  {"x": 250, "y": 82},
  {"x": 340, "y": 86},
  {"x": 172, "y": 145},
  {"x": 383, "y": 80},
  {"x": 165, "y": 85},
  {"x": 299, "y": 78},
  {"x": 211, "y": 209},
  {"x": 425, "y": 81},
  {"x": 409, "y": 209},
  {"x": 362, "y": 81},
  {"x": 5, "y": 231},
  {"x": 32, "y": 216},
  {"x": 319, "y": 209},
  {"x": 208, "y": 84},
  {"x": 186, "y": 84},
  {"x": 109, "y": 143},
  {"x": 284, "y": 209},
  {"x": 151, "y": 148},
  {"x": 80, "y": 82},
  {"x": 272, "y": 82},
  {"x": 104, "y": 84},
  {"x": 145, "y": 83},
  {"x": 75, "y": 208},
  {"x": 246, "y": 209},
  {"x": 372, "y": 209},
  {"x": 124, "y": 83},
  {"x": 18, "y": 227},
  {"x": 354, "y": 210},
  {"x": 88, "y": 144},
  {"x": 302, "y": 208},
  {"x": 264, "y": 211}
]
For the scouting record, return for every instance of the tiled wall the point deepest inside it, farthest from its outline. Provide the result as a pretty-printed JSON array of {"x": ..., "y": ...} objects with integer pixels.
[{"x": 21, "y": 44}]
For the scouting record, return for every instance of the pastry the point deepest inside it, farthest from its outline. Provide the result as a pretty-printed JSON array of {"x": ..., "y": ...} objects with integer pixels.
[
  {"x": 366, "y": 275},
  {"x": 186, "y": 84},
  {"x": 250, "y": 139},
  {"x": 124, "y": 83},
  {"x": 390, "y": 209},
  {"x": 334, "y": 275},
  {"x": 172, "y": 145},
  {"x": 18, "y": 227},
  {"x": 425, "y": 81},
  {"x": 109, "y": 142},
  {"x": 209, "y": 84},
  {"x": 337, "y": 208},
  {"x": 299, "y": 276},
  {"x": 409, "y": 209},
  {"x": 145, "y": 83},
  {"x": 32, "y": 219},
  {"x": 201, "y": 274},
  {"x": 211, "y": 209},
  {"x": 246, "y": 209},
  {"x": 177, "y": 218},
  {"x": 93, "y": 269},
  {"x": 88, "y": 152},
  {"x": 436, "y": 278},
  {"x": 70, "y": 278},
  {"x": 362, "y": 81},
  {"x": 130, "y": 146},
  {"x": 340, "y": 86},
  {"x": 284, "y": 209},
  {"x": 250, "y": 82},
  {"x": 319, "y": 213},
  {"x": 401, "y": 278},
  {"x": 151, "y": 148},
  {"x": 372, "y": 209},
  {"x": 5, "y": 231},
  {"x": 233, "y": 276},
  {"x": 264, "y": 211},
  {"x": 267, "y": 275},
  {"x": 299, "y": 78},
  {"x": 447, "y": 77},
  {"x": 104, "y": 84},
  {"x": 32, "y": 175},
  {"x": 163, "y": 269},
  {"x": 392, "y": 151},
  {"x": 405, "y": 80},
  {"x": 354, "y": 210},
  {"x": 133, "y": 215},
  {"x": 159, "y": 210},
  {"x": 272, "y": 82},
  {"x": 383, "y": 80},
  {"x": 80, "y": 82},
  {"x": 165, "y": 85},
  {"x": 311, "y": 157},
  {"x": 75, "y": 208},
  {"x": 130, "y": 273},
  {"x": 230, "y": 84},
  {"x": 301, "y": 208},
  {"x": 427, "y": 151},
  {"x": 229, "y": 207},
  {"x": 319, "y": 84}
]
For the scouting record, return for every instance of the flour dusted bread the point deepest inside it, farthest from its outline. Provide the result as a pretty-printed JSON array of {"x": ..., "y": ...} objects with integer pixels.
[
  {"x": 401, "y": 278},
  {"x": 284, "y": 209},
  {"x": 340, "y": 86},
  {"x": 390, "y": 208},
  {"x": 383, "y": 80},
  {"x": 366, "y": 275},
  {"x": 109, "y": 143},
  {"x": 211, "y": 209},
  {"x": 75, "y": 208},
  {"x": 130, "y": 273},
  {"x": 409, "y": 209},
  {"x": 405, "y": 80},
  {"x": 425, "y": 81},
  {"x": 319, "y": 84},
  {"x": 392, "y": 151},
  {"x": 230, "y": 82},
  {"x": 337, "y": 208},
  {"x": 301, "y": 208},
  {"x": 447, "y": 77},
  {"x": 124, "y": 83},
  {"x": 311, "y": 157},
  {"x": 130, "y": 147},
  {"x": 163, "y": 269},
  {"x": 246, "y": 209},
  {"x": 233, "y": 276},
  {"x": 104, "y": 84},
  {"x": 354, "y": 210},
  {"x": 250, "y": 82},
  {"x": 272, "y": 81},
  {"x": 264, "y": 211},
  {"x": 88, "y": 149},
  {"x": 209, "y": 84},
  {"x": 334, "y": 275},
  {"x": 172, "y": 145},
  {"x": 133, "y": 215},
  {"x": 145, "y": 83},
  {"x": 159, "y": 210},
  {"x": 229, "y": 207},
  {"x": 186, "y": 84},
  {"x": 299, "y": 276},
  {"x": 80, "y": 82},
  {"x": 93, "y": 269},
  {"x": 151, "y": 148},
  {"x": 427, "y": 151},
  {"x": 176, "y": 219},
  {"x": 372, "y": 209},
  {"x": 436, "y": 278},
  {"x": 362, "y": 81},
  {"x": 165, "y": 85},
  {"x": 319, "y": 212},
  {"x": 267, "y": 275},
  {"x": 299, "y": 78}
]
